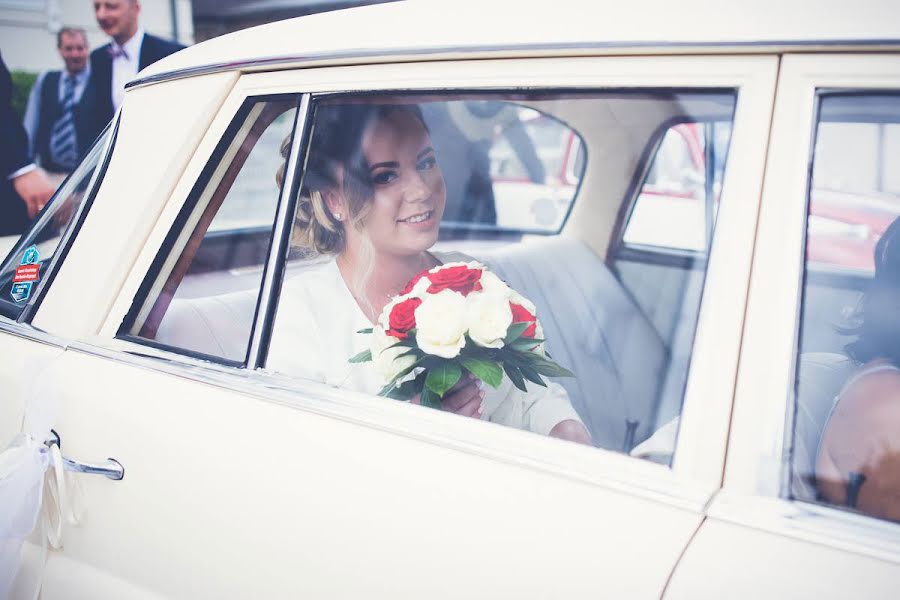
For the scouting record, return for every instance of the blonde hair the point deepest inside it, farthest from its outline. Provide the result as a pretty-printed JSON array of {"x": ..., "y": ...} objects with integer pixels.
[
  {"x": 336, "y": 143},
  {"x": 336, "y": 146}
]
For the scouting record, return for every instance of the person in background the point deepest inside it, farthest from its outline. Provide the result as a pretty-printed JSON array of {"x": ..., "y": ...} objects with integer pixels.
[
  {"x": 130, "y": 50},
  {"x": 59, "y": 113},
  {"x": 24, "y": 189},
  {"x": 859, "y": 453}
]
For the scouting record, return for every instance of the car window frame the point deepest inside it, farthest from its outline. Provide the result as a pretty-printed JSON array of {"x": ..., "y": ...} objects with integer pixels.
[
  {"x": 188, "y": 208},
  {"x": 619, "y": 249},
  {"x": 696, "y": 471},
  {"x": 108, "y": 137},
  {"x": 756, "y": 490}
]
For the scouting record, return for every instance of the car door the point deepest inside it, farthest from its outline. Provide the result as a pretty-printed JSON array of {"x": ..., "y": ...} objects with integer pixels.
[
  {"x": 30, "y": 264},
  {"x": 242, "y": 482},
  {"x": 827, "y": 196}
]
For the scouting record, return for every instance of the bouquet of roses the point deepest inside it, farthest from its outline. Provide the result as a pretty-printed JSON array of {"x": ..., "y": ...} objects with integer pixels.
[{"x": 453, "y": 318}]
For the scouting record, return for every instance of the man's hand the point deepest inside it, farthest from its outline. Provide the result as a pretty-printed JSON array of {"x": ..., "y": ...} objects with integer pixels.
[{"x": 35, "y": 189}]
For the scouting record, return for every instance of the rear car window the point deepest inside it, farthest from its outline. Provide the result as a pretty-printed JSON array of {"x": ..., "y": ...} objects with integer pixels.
[{"x": 845, "y": 449}]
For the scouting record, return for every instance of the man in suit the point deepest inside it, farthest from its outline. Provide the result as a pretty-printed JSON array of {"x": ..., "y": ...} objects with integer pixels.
[
  {"x": 59, "y": 118},
  {"x": 24, "y": 189},
  {"x": 129, "y": 51}
]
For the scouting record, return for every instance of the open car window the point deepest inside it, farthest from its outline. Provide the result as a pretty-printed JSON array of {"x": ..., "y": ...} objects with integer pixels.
[
  {"x": 26, "y": 269},
  {"x": 465, "y": 193},
  {"x": 201, "y": 294}
]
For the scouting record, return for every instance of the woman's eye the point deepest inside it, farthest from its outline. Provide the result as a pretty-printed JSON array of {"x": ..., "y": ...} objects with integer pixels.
[
  {"x": 384, "y": 177},
  {"x": 426, "y": 163}
]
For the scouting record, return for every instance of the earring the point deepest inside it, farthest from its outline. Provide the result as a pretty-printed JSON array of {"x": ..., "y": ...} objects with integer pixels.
[{"x": 337, "y": 216}]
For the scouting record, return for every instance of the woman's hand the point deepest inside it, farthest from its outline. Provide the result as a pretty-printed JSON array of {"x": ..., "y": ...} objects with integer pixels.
[
  {"x": 464, "y": 398},
  {"x": 571, "y": 430}
]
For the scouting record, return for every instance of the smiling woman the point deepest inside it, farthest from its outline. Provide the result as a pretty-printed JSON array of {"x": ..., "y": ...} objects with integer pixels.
[{"x": 371, "y": 203}]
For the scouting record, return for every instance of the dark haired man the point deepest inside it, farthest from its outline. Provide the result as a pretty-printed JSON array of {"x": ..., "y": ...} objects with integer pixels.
[
  {"x": 129, "y": 51},
  {"x": 59, "y": 117}
]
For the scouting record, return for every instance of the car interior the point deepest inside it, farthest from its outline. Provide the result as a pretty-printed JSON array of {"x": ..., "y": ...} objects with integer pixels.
[
  {"x": 854, "y": 197},
  {"x": 620, "y": 315}
]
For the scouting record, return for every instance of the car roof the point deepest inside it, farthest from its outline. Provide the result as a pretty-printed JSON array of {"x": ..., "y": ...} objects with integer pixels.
[{"x": 437, "y": 29}]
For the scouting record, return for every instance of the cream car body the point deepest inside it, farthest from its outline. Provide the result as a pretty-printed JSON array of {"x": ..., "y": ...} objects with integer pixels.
[{"x": 242, "y": 483}]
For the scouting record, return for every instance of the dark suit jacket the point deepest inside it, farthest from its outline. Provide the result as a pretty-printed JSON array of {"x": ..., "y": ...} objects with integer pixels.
[
  {"x": 13, "y": 156},
  {"x": 152, "y": 49}
]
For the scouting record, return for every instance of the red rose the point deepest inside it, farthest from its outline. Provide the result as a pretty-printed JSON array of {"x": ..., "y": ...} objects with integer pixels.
[
  {"x": 412, "y": 283},
  {"x": 521, "y": 315},
  {"x": 403, "y": 317},
  {"x": 460, "y": 279}
]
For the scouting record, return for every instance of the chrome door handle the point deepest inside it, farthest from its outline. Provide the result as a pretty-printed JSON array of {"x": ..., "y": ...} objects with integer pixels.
[{"x": 111, "y": 469}]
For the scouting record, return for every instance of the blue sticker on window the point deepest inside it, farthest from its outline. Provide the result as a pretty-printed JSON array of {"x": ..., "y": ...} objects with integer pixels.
[
  {"x": 26, "y": 274},
  {"x": 21, "y": 291},
  {"x": 30, "y": 256}
]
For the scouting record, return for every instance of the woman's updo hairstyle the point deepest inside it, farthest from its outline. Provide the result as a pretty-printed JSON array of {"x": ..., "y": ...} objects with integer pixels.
[
  {"x": 336, "y": 144},
  {"x": 878, "y": 332}
]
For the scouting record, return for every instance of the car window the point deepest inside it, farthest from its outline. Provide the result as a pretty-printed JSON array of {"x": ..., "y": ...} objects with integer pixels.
[
  {"x": 846, "y": 422},
  {"x": 28, "y": 264},
  {"x": 676, "y": 205},
  {"x": 533, "y": 160},
  {"x": 201, "y": 295},
  {"x": 373, "y": 248}
]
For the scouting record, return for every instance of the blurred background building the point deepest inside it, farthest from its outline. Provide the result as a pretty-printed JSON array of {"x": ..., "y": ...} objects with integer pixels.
[
  {"x": 216, "y": 17},
  {"x": 28, "y": 27}
]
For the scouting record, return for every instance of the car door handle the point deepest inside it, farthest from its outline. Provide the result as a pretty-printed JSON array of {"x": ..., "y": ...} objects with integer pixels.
[{"x": 111, "y": 469}]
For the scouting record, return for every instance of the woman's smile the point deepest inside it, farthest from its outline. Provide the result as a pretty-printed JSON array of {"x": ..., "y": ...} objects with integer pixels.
[{"x": 419, "y": 220}]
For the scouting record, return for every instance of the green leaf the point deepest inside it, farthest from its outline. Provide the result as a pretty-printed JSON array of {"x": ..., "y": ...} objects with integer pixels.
[
  {"x": 515, "y": 376},
  {"x": 364, "y": 356},
  {"x": 532, "y": 376},
  {"x": 367, "y": 330},
  {"x": 429, "y": 398},
  {"x": 407, "y": 370},
  {"x": 515, "y": 331},
  {"x": 551, "y": 369},
  {"x": 488, "y": 371},
  {"x": 443, "y": 377},
  {"x": 405, "y": 391},
  {"x": 525, "y": 344}
]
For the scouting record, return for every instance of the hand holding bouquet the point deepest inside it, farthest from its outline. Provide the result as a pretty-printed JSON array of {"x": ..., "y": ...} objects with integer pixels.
[{"x": 453, "y": 318}]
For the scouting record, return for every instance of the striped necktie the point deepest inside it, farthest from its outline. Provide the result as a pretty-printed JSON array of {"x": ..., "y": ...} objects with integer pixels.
[{"x": 63, "y": 148}]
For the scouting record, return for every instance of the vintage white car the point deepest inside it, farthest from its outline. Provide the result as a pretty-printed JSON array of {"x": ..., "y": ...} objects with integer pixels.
[{"x": 138, "y": 313}]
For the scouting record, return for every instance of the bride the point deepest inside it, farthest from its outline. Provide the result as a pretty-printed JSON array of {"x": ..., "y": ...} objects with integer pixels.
[{"x": 370, "y": 205}]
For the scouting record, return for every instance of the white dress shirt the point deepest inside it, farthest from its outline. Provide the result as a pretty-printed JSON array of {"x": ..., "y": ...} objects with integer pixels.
[
  {"x": 33, "y": 110},
  {"x": 125, "y": 67}
]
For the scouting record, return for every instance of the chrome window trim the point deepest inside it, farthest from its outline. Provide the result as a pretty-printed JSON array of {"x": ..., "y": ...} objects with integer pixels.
[
  {"x": 280, "y": 245},
  {"x": 362, "y": 55},
  {"x": 68, "y": 237},
  {"x": 28, "y": 332},
  {"x": 606, "y": 469},
  {"x": 833, "y": 527}
]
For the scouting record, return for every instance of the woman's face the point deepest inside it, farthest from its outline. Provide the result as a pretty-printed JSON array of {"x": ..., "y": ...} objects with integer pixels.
[{"x": 408, "y": 187}]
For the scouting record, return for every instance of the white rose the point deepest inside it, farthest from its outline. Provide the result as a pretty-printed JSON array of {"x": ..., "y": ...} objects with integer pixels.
[
  {"x": 441, "y": 324},
  {"x": 491, "y": 284},
  {"x": 539, "y": 334},
  {"x": 488, "y": 316},
  {"x": 517, "y": 298},
  {"x": 386, "y": 355},
  {"x": 420, "y": 289}
]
